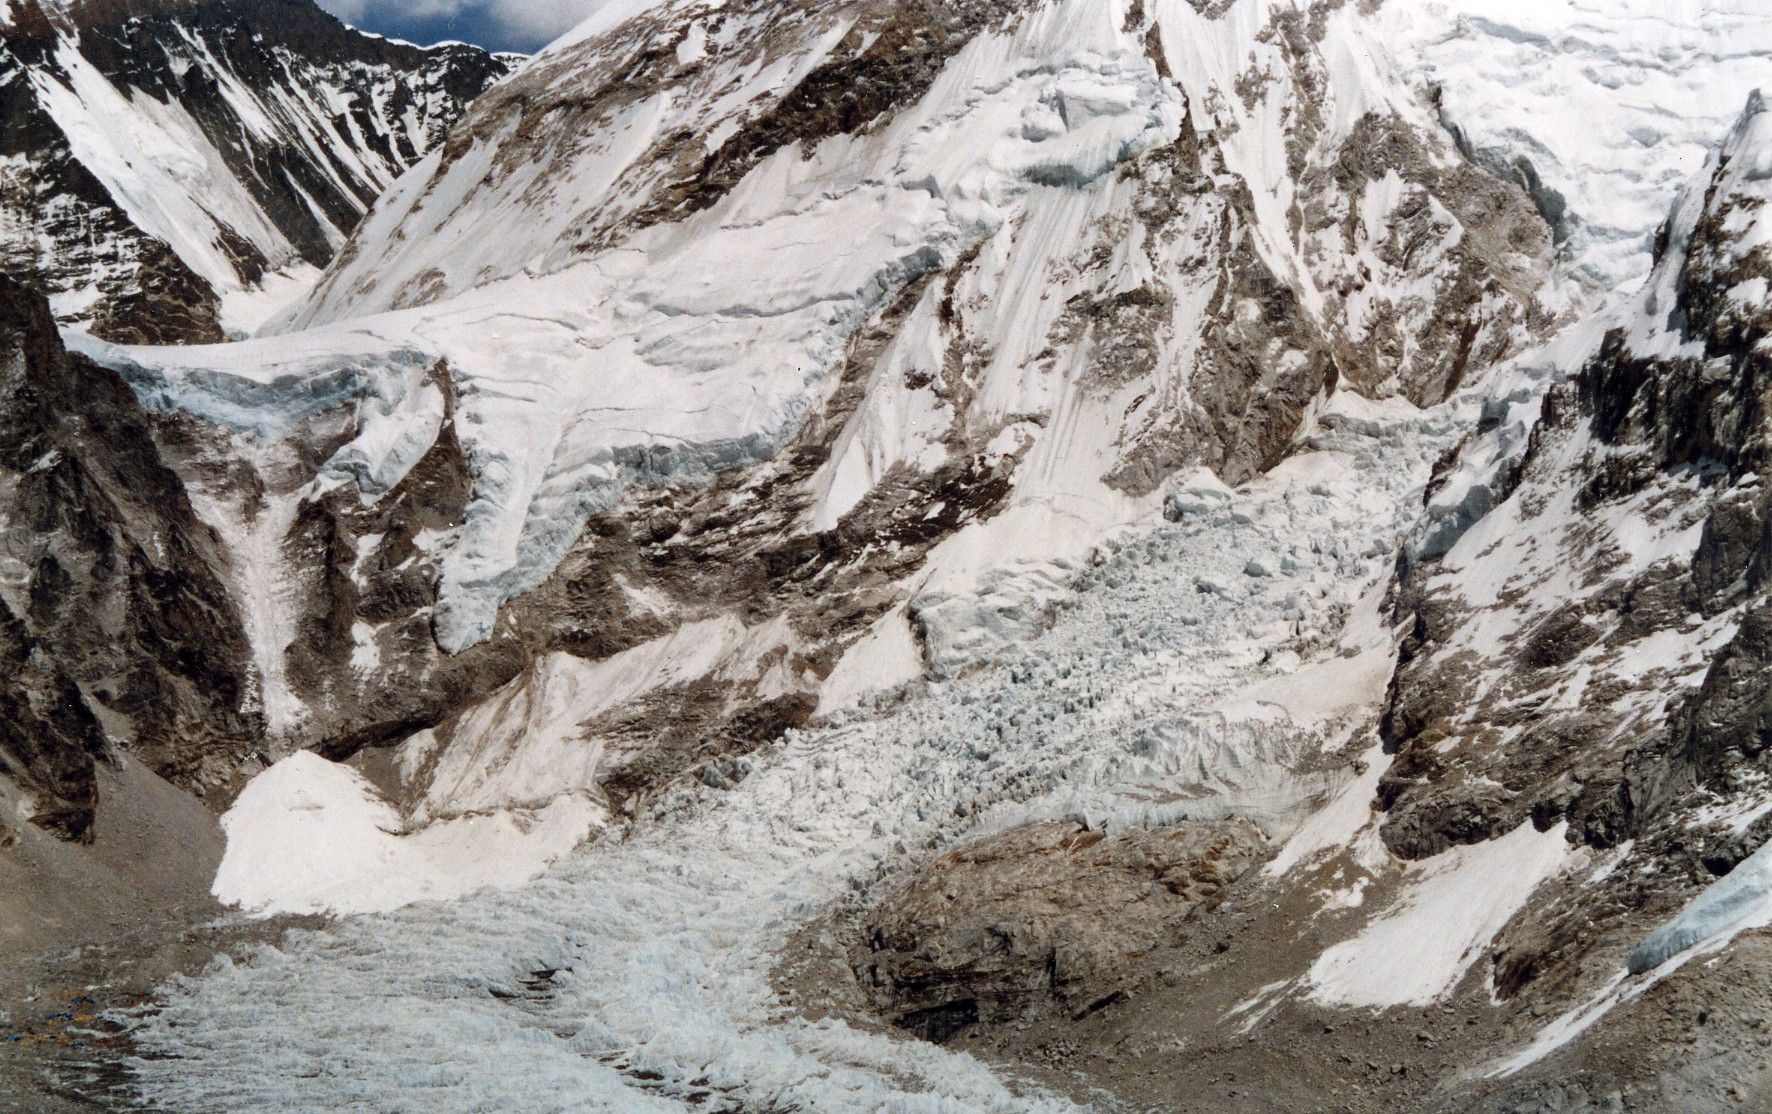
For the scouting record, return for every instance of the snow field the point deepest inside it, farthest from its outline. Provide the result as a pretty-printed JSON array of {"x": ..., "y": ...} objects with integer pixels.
[{"x": 1627, "y": 99}]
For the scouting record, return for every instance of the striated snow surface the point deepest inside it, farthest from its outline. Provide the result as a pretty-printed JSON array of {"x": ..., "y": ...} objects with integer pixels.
[
  {"x": 1155, "y": 696},
  {"x": 663, "y": 356}
]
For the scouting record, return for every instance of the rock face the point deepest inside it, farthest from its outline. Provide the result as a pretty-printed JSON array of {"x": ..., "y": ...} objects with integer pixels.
[
  {"x": 114, "y": 622},
  {"x": 1052, "y": 915},
  {"x": 1594, "y": 648},
  {"x": 175, "y": 168}
]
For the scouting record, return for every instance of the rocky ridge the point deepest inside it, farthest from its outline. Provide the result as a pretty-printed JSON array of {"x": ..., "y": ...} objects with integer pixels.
[{"x": 174, "y": 169}]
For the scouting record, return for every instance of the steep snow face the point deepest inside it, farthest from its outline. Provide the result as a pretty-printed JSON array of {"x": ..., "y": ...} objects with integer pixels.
[
  {"x": 1452, "y": 909},
  {"x": 211, "y": 155},
  {"x": 1104, "y": 243},
  {"x": 629, "y": 122},
  {"x": 1605, "y": 109}
]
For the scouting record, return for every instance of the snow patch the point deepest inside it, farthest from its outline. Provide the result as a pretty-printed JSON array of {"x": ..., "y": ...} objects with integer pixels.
[
  {"x": 1450, "y": 909},
  {"x": 885, "y": 657},
  {"x": 312, "y": 836}
]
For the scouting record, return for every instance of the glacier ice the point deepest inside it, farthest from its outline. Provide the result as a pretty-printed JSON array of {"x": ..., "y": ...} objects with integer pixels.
[
  {"x": 1144, "y": 702},
  {"x": 1604, "y": 111},
  {"x": 1739, "y": 900}
]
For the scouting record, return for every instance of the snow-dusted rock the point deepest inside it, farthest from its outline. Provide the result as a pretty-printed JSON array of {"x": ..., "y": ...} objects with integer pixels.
[
  {"x": 176, "y": 171},
  {"x": 1587, "y": 600},
  {"x": 116, "y": 633}
]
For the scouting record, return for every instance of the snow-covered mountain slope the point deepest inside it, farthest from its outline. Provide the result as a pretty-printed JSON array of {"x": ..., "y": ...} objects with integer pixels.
[
  {"x": 1423, "y": 916},
  {"x": 176, "y": 170},
  {"x": 1603, "y": 109},
  {"x": 1587, "y": 600},
  {"x": 907, "y": 482},
  {"x": 1049, "y": 256}
]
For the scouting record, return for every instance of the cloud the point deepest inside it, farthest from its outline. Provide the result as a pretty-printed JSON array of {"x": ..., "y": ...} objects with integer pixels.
[
  {"x": 502, "y": 24},
  {"x": 544, "y": 21}
]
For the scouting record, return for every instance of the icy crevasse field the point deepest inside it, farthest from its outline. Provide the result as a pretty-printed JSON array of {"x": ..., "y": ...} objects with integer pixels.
[{"x": 1155, "y": 696}]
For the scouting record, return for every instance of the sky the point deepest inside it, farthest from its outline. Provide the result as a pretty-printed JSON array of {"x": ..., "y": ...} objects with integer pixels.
[{"x": 524, "y": 25}]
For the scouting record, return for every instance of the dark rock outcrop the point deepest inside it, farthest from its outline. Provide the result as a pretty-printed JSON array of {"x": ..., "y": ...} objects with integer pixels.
[
  {"x": 1041, "y": 918},
  {"x": 114, "y": 623}
]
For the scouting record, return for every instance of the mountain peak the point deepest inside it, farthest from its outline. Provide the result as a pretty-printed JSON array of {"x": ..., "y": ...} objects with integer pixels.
[{"x": 208, "y": 157}]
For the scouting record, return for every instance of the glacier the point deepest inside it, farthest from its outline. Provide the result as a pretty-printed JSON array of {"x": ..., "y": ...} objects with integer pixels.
[
  {"x": 1146, "y": 702},
  {"x": 1074, "y": 656},
  {"x": 1603, "y": 109}
]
